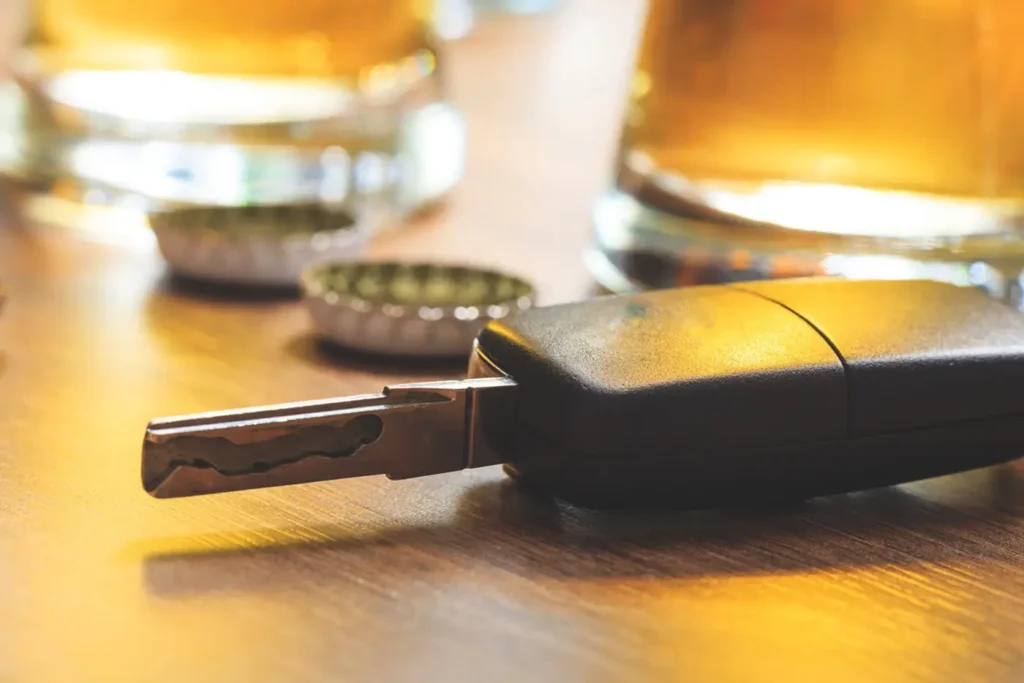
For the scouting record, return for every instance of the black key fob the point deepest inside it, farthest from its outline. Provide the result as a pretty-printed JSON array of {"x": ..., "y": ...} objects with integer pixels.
[{"x": 725, "y": 394}]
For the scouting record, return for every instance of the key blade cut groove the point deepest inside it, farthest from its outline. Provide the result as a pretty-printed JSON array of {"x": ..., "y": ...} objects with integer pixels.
[
  {"x": 407, "y": 431},
  {"x": 232, "y": 460}
]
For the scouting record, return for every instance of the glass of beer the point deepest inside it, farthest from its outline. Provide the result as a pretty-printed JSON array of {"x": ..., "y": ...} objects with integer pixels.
[
  {"x": 230, "y": 102},
  {"x": 777, "y": 138}
]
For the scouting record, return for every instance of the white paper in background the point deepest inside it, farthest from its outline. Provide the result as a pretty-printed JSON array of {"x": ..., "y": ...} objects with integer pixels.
[{"x": 12, "y": 22}]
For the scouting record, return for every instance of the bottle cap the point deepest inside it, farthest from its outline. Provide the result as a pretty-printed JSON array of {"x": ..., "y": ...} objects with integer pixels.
[
  {"x": 267, "y": 245},
  {"x": 418, "y": 309}
]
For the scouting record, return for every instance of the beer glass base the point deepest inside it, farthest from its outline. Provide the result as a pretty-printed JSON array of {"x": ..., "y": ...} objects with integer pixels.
[
  {"x": 637, "y": 246},
  {"x": 147, "y": 140}
]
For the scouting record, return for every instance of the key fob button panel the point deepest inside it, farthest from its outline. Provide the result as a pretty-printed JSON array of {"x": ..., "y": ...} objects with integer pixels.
[
  {"x": 705, "y": 368},
  {"x": 918, "y": 354}
]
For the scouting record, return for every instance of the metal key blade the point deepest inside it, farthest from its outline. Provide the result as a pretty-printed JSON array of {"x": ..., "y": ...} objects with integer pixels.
[{"x": 406, "y": 431}]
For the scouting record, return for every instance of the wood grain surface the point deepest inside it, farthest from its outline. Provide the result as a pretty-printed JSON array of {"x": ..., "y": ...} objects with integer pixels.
[{"x": 455, "y": 578}]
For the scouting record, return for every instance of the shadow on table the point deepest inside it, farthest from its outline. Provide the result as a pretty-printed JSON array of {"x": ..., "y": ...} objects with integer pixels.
[
  {"x": 182, "y": 286},
  {"x": 969, "y": 516},
  {"x": 310, "y": 349}
]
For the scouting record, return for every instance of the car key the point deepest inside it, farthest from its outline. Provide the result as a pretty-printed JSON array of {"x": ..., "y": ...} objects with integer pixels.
[{"x": 699, "y": 396}]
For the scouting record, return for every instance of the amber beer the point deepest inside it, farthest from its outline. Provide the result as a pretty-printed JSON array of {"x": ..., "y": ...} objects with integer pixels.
[
  {"x": 873, "y": 117},
  {"x": 297, "y": 38}
]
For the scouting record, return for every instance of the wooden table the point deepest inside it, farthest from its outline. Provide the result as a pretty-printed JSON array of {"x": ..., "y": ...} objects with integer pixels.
[{"x": 450, "y": 578}]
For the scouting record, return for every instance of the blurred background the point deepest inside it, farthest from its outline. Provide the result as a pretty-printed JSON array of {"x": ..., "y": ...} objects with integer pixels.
[
  {"x": 419, "y": 114},
  {"x": 754, "y": 138}
]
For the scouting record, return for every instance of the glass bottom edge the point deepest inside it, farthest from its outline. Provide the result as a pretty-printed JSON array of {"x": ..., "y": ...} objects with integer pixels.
[
  {"x": 637, "y": 247},
  {"x": 401, "y": 162}
]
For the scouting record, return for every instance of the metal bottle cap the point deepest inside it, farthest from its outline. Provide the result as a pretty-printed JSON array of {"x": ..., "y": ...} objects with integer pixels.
[
  {"x": 426, "y": 310},
  {"x": 255, "y": 245}
]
